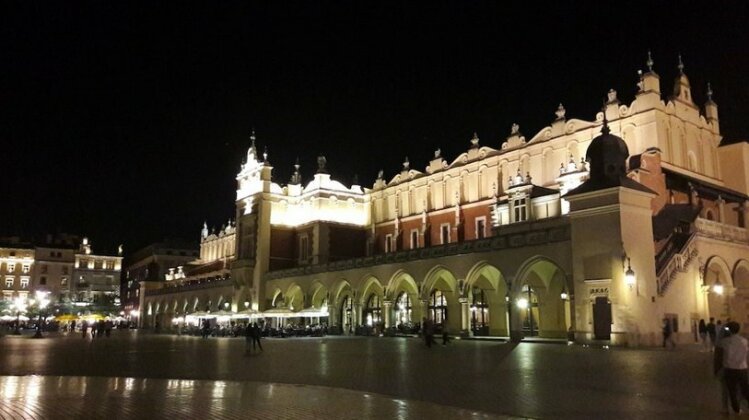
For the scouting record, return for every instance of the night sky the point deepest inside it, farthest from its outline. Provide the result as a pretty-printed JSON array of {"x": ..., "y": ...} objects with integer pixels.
[{"x": 128, "y": 124}]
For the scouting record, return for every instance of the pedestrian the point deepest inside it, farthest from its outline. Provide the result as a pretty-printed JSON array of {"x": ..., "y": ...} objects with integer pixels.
[
  {"x": 84, "y": 328},
  {"x": 719, "y": 330},
  {"x": 108, "y": 328},
  {"x": 248, "y": 337},
  {"x": 445, "y": 333},
  {"x": 711, "y": 332},
  {"x": 668, "y": 334},
  {"x": 702, "y": 329},
  {"x": 730, "y": 355},
  {"x": 256, "y": 336}
]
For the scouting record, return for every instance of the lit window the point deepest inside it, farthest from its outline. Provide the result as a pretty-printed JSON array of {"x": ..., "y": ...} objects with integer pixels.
[
  {"x": 11, "y": 267},
  {"x": 64, "y": 281},
  {"x": 9, "y": 282},
  {"x": 414, "y": 239},
  {"x": 520, "y": 208},
  {"x": 26, "y": 268},
  {"x": 110, "y": 265},
  {"x": 24, "y": 282},
  {"x": 438, "y": 307},
  {"x": 445, "y": 233}
]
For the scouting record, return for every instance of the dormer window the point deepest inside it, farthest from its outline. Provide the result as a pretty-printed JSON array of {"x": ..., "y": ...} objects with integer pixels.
[
  {"x": 414, "y": 239},
  {"x": 388, "y": 243},
  {"x": 520, "y": 209},
  {"x": 304, "y": 249}
]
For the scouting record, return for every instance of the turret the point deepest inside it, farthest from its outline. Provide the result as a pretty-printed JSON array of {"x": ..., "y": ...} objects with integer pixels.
[
  {"x": 650, "y": 82},
  {"x": 711, "y": 109},
  {"x": 682, "y": 87}
]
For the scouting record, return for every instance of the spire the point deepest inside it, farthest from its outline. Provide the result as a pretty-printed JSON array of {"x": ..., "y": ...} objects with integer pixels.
[
  {"x": 406, "y": 164},
  {"x": 252, "y": 152},
  {"x": 709, "y": 92},
  {"x": 560, "y": 112},
  {"x": 265, "y": 154},
  {"x": 680, "y": 66},
  {"x": 649, "y": 62},
  {"x": 605, "y": 129}
]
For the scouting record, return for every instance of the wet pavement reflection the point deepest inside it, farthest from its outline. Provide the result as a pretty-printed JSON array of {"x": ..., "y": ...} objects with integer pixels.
[{"x": 526, "y": 380}]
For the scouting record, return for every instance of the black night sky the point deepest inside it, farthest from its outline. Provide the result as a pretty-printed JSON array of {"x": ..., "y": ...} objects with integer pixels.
[{"x": 128, "y": 123}]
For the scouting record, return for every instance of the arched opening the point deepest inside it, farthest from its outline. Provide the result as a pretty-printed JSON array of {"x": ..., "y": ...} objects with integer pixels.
[
  {"x": 487, "y": 297},
  {"x": 437, "y": 307},
  {"x": 717, "y": 280},
  {"x": 403, "y": 311},
  {"x": 541, "y": 299},
  {"x": 347, "y": 315},
  {"x": 373, "y": 310},
  {"x": 741, "y": 299}
]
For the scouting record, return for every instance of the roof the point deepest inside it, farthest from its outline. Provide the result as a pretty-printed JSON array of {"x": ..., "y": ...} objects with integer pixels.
[
  {"x": 677, "y": 180},
  {"x": 211, "y": 267},
  {"x": 602, "y": 184}
]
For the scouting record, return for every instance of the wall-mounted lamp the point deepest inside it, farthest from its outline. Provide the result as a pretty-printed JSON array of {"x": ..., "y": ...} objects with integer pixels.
[
  {"x": 522, "y": 303},
  {"x": 564, "y": 296},
  {"x": 629, "y": 275},
  {"x": 718, "y": 288}
]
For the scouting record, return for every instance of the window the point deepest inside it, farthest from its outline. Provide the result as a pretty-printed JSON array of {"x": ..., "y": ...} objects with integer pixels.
[
  {"x": 479, "y": 313},
  {"x": 8, "y": 282},
  {"x": 445, "y": 233},
  {"x": 109, "y": 265},
  {"x": 42, "y": 280},
  {"x": 44, "y": 268},
  {"x": 81, "y": 279},
  {"x": 403, "y": 309},
  {"x": 414, "y": 239},
  {"x": 52, "y": 254},
  {"x": 373, "y": 312},
  {"x": 63, "y": 281},
  {"x": 304, "y": 248},
  {"x": 65, "y": 269},
  {"x": 26, "y": 268},
  {"x": 388, "y": 243},
  {"x": 480, "y": 227},
  {"x": 11, "y": 267},
  {"x": 520, "y": 208},
  {"x": 24, "y": 282},
  {"x": 97, "y": 265},
  {"x": 438, "y": 307}
]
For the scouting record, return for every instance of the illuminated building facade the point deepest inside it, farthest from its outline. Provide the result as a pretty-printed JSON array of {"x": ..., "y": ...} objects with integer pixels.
[
  {"x": 70, "y": 274},
  {"x": 599, "y": 230}
]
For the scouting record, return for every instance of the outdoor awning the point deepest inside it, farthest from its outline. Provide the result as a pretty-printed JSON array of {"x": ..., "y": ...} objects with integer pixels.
[
  {"x": 287, "y": 313},
  {"x": 246, "y": 314},
  {"x": 201, "y": 314}
]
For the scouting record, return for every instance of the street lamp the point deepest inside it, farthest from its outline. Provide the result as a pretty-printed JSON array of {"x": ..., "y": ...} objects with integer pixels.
[
  {"x": 20, "y": 305},
  {"x": 41, "y": 298},
  {"x": 717, "y": 287}
]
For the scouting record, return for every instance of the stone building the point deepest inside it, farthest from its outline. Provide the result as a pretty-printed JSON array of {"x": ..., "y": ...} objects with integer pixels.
[{"x": 602, "y": 230}]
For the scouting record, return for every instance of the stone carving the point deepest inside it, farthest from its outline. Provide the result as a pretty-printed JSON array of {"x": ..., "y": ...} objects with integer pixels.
[
  {"x": 612, "y": 96},
  {"x": 650, "y": 62},
  {"x": 515, "y": 130},
  {"x": 437, "y": 153},
  {"x": 406, "y": 164},
  {"x": 321, "y": 162},
  {"x": 475, "y": 140}
]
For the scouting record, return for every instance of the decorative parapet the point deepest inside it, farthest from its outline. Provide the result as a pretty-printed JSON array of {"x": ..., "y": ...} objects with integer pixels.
[
  {"x": 721, "y": 231},
  {"x": 190, "y": 287},
  {"x": 677, "y": 264},
  {"x": 530, "y": 234}
]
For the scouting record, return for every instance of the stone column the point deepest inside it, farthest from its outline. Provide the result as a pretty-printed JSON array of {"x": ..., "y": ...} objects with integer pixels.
[
  {"x": 745, "y": 209},
  {"x": 387, "y": 307},
  {"x": 356, "y": 317},
  {"x": 465, "y": 317},
  {"x": 721, "y": 209},
  {"x": 423, "y": 305}
]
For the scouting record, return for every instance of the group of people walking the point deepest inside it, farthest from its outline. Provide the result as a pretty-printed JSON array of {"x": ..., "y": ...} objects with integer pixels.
[
  {"x": 252, "y": 337},
  {"x": 427, "y": 330},
  {"x": 729, "y": 360},
  {"x": 99, "y": 328}
]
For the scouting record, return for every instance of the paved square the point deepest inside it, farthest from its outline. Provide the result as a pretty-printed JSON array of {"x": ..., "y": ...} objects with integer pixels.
[{"x": 399, "y": 377}]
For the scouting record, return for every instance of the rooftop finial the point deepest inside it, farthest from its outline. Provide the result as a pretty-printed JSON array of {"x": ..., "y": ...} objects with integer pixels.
[
  {"x": 252, "y": 136},
  {"x": 406, "y": 164},
  {"x": 709, "y": 92},
  {"x": 265, "y": 154},
  {"x": 296, "y": 177},
  {"x": 560, "y": 112},
  {"x": 605, "y": 129},
  {"x": 321, "y": 162},
  {"x": 680, "y": 66},
  {"x": 475, "y": 140},
  {"x": 650, "y": 62}
]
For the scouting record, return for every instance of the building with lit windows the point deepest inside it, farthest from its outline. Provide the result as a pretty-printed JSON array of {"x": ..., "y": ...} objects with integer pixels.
[{"x": 600, "y": 229}]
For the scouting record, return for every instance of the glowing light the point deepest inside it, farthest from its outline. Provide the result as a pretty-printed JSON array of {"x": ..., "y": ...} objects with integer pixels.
[
  {"x": 522, "y": 303},
  {"x": 135, "y": 313},
  {"x": 718, "y": 288},
  {"x": 564, "y": 296}
]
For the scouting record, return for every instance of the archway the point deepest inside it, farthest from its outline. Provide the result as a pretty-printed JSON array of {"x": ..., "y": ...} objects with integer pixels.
[
  {"x": 486, "y": 290},
  {"x": 404, "y": 293},
  {"x": 344, "y": 309},
  {"x": 295, "y": 298},
  {"x": 540, "y": 299},
  {"x": 441, "y": 294},
  {"x": 741, "y": 299},
  {"x": 372, "y": 301},
  {"x": 719, "y": 285}
]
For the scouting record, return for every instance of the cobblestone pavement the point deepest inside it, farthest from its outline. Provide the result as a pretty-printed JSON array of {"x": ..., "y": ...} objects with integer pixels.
[{"x": 526, "y": 380}]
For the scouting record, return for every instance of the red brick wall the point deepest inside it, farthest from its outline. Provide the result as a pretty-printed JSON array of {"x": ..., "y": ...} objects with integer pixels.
[
  {"x": 282, "y": 248},
  {"x": 347, "y": 242}
]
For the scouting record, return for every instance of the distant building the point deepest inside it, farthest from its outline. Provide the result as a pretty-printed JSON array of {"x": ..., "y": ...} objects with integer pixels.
[
  {"x": 601, "y": 230},
  {"x": 65, "y": 267},
  {"x": 150, "y": 265}
]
